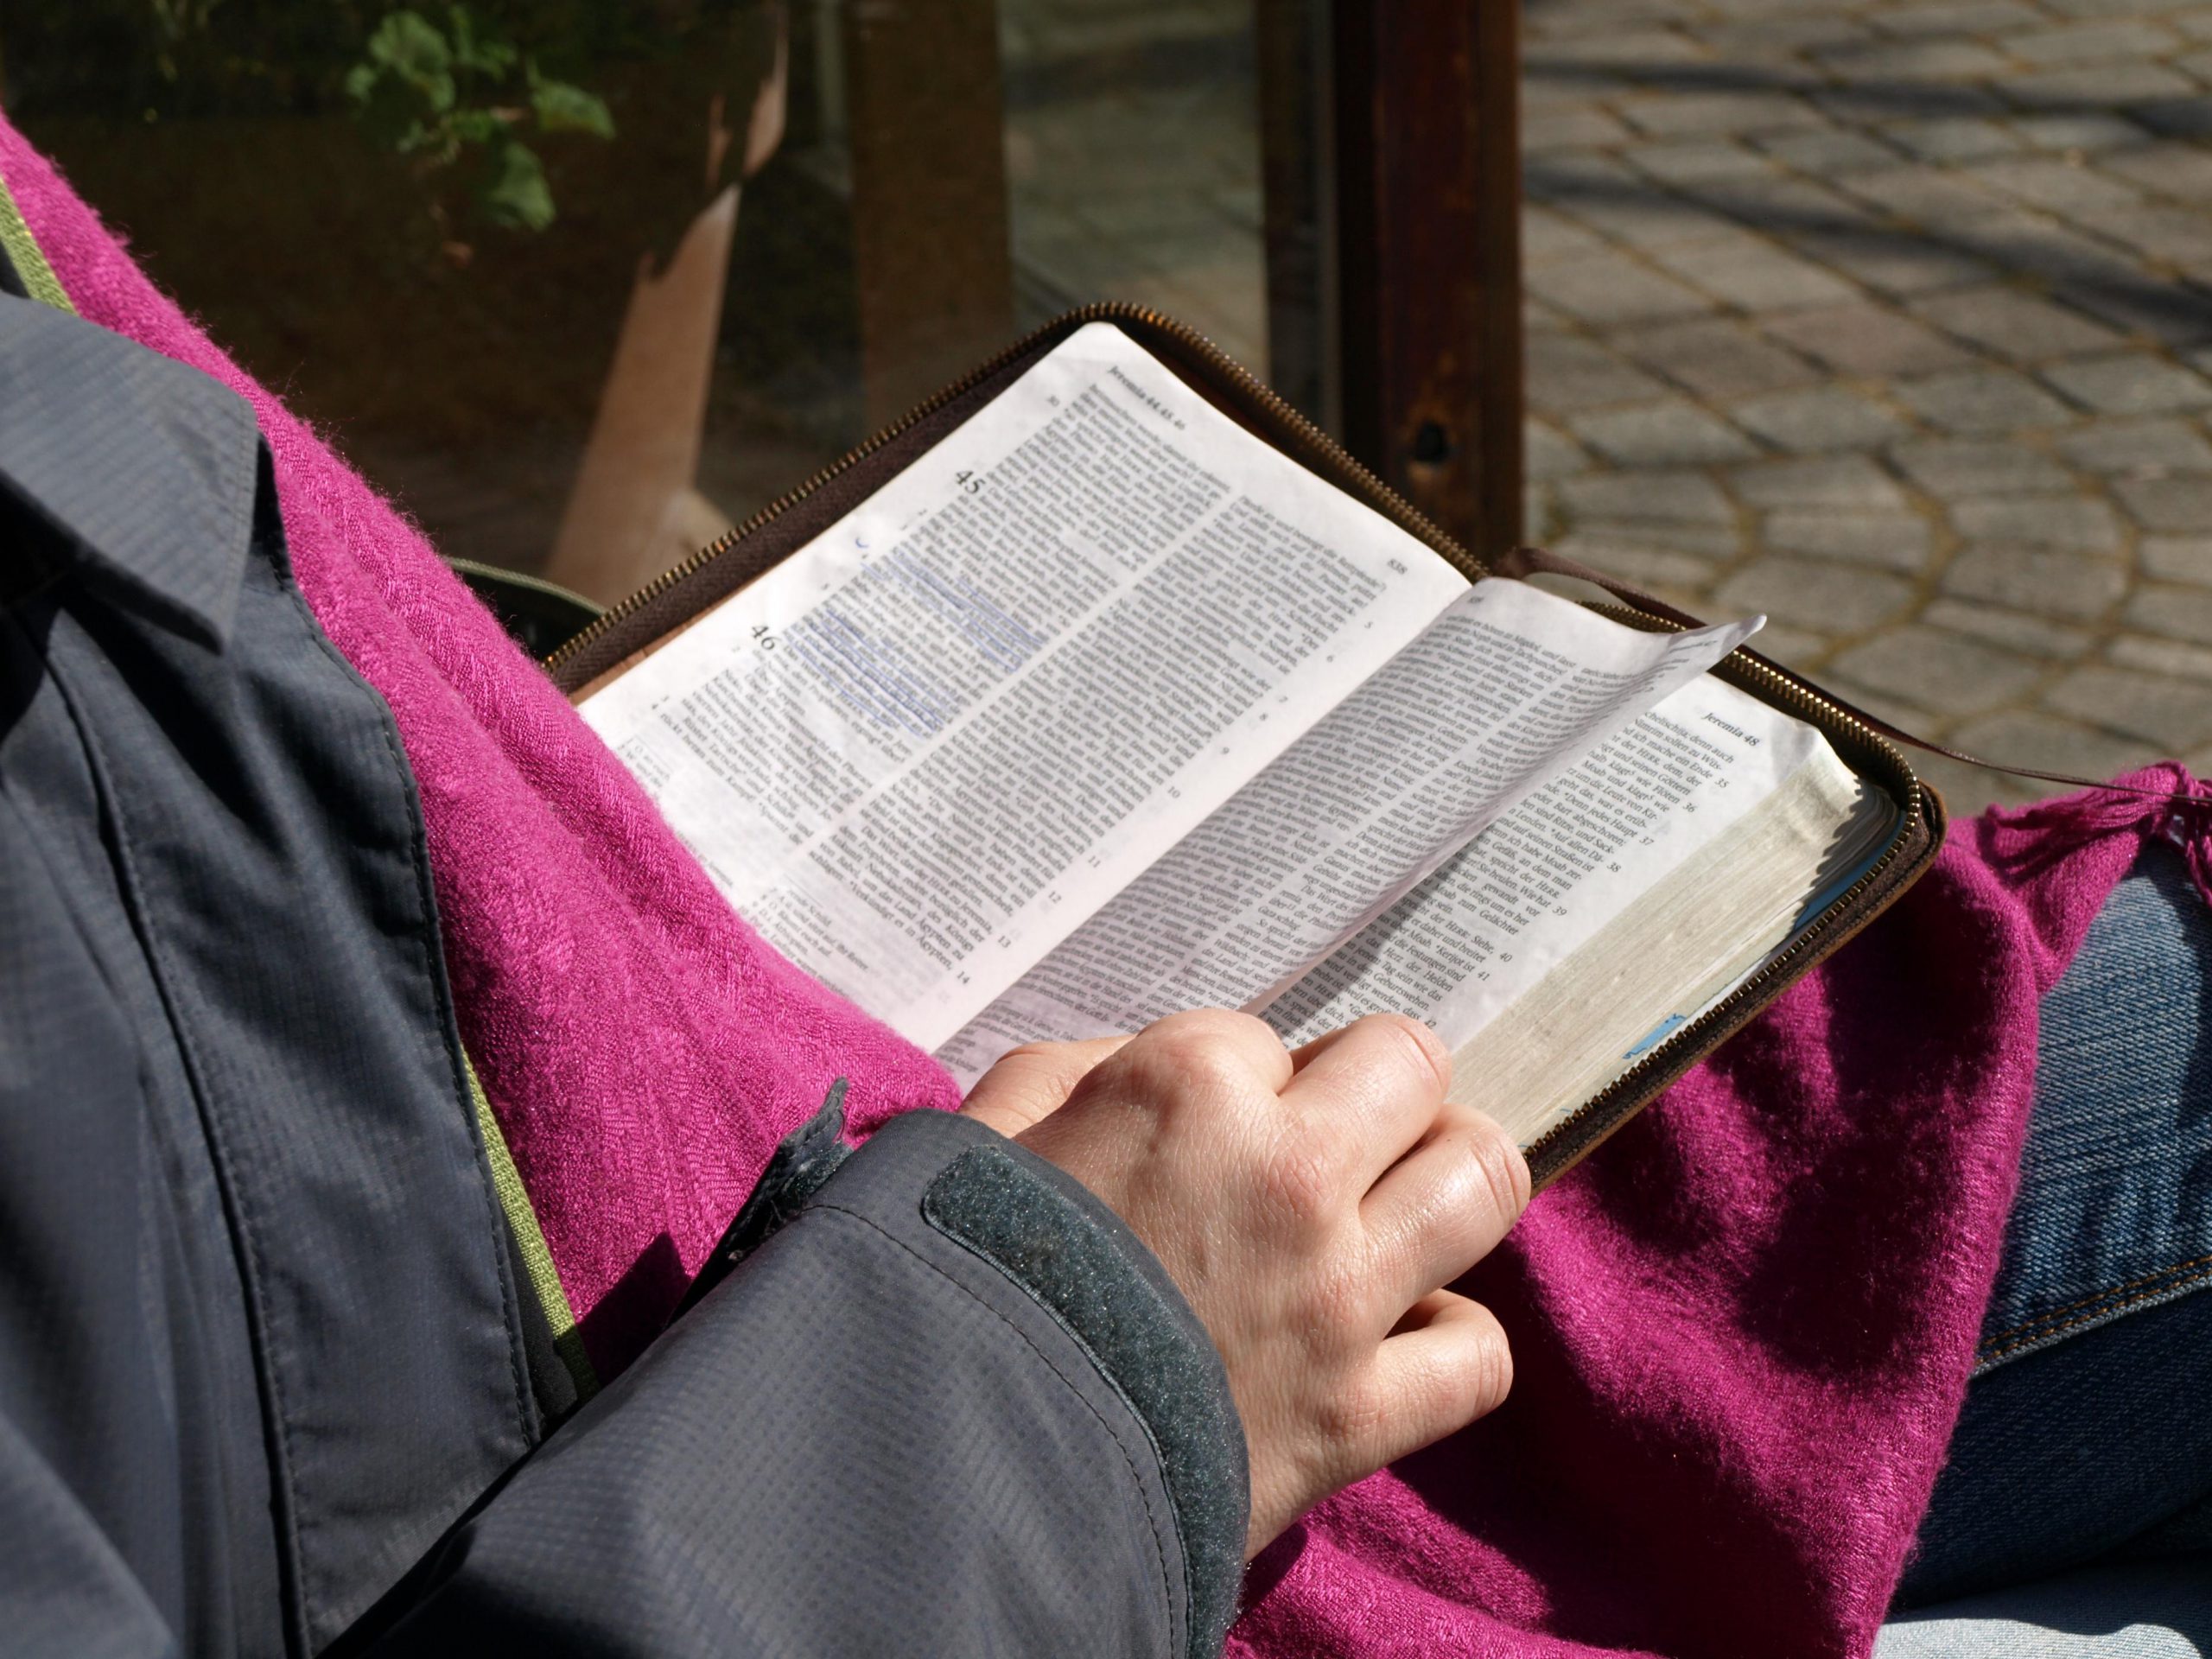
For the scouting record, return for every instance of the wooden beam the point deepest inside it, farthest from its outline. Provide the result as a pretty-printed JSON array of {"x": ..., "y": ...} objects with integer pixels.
[
  {"x": 1426, "y": 112},
  {"x": 929, "y": 221}
]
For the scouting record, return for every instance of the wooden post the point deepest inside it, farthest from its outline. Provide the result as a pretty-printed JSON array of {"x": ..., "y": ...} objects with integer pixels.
[
  {"x": 1422, "y": 307},
  {"x": 930, "y": 223}
]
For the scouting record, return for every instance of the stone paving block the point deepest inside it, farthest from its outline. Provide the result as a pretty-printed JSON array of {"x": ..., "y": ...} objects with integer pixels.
[
  {"x": 2126, "y": 37},
  {"x": 1785, "y": 206},
  {"x": 1755, "y": 275},
  {"x": 1678, "y": 497},
  {"x": 2180, "y": 170},
  {"x": 2024, "y": 243},
  {"x": 2076, "y": 586},
  {"x": 2139, "y": 449},
  {"x": 1952, "y": 137},
  {"x": 1895, "y": 541},
  {"x": 1756, "y": 37},
  {"x": 2179, "y": 314},
  {"x": 1680, "y": 114},
  {"x": 2035, "y": 635},
  {"x": 1571, "y": 129},
  {"x": 2173, "y": 714},
  {"x": 1548, "y": 236},
  {"x": 1958, "y": 471},
  {"x": 1816, "y": 594},
  {"x": 1567, "y": 373},
  {"x": 1850, "y": 482},
  {"x": 2033, "y": 738},
  {"x": 2177, "y": 236},
  {"x": 1626, "y": 49},
  {"x": 1577, "y": 173},
  {"x": 2015, "y": 324},
  {"x": 1930, "y": 58},
  {"x": 1955, "y": 17},
  {"x": 1939, "y": 672},
  {"x": 1550, "y": 453},
  {"x": 1631, "y": 210},
  {"x": 1822, "y": 420},
  {"x": 2090, "y": 85},
  {"x": 2119, "y": 8},
  {"x": 1873, "y": 342},
  {"x": 1797, "y": 648},
  {"x": 1828, "y": 152},
  {"x": 2178, "y": 612},
  {"x": 1686, "y": 160},
  {"x": 2137, "y": 382},
  {"x": 2177, "y": 559},
  {"x": 2089, "y": 134},
  {"x": 1670, "y": 433},
  {"x": 1981, "y": 401},
  {"x": 2176, "y": 118},
  {"x": 1892, "y": 261},
  {"x": 2074, "y": 523},
  {"x": 2170, "y": 657},
  {"x": 1718, "y": 357},
  {"x": 1721, "y": 542},
  {"x": 1669, "y": 569},
  {"x": 2054, "y": 183},
  {"x": 2178, "y": 505},
  {"x": 1922, "y": 195}
]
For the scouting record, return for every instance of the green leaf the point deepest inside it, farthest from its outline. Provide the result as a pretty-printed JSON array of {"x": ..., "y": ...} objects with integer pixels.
[
  {"x": 515, "y": 192},
  {"x": 477, "y": 126},
  {"x": 485, "y": 57},
  {"x": 561, "y": 107},
  {"x": 408, "y": 50}
]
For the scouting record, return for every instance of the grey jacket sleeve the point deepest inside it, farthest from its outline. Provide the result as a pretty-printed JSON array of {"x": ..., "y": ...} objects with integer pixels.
[{"x": 946, "y": 1403}]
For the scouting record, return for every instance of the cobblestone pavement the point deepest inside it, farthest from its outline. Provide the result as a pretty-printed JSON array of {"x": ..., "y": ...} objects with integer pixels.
[{"x": 1885, "y": 318}]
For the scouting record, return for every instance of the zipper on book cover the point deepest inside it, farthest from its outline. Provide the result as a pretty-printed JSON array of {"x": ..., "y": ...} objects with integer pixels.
[
  {"x": 1350, "y": 475},
  {"x": 1627, "y": 1086}
]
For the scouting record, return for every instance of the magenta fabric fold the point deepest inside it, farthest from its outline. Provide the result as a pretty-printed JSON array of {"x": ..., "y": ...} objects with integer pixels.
[{"x": 1742, "y": 1329}]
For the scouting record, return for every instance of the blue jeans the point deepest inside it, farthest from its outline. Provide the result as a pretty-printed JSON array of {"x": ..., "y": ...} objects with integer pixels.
[{"x": 2087, "y": 1427}]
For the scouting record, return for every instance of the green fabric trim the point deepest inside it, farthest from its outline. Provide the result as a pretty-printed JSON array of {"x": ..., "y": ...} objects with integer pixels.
[
  {"x": 23, "y": 253},
  {"x": 529, "y": 1242}
]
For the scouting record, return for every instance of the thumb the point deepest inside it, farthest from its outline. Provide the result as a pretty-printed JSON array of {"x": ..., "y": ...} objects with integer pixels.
[{"x": 1031, "y": 1082}]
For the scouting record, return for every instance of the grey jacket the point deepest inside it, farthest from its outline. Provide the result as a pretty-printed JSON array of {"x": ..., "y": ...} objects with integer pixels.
[{"x": 265, "y": 1355}]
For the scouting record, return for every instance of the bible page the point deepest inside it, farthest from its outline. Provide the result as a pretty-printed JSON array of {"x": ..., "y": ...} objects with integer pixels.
[
  {"x": 1521, "y": 899},
  {"x": 1509, "y": 687},
  {"x": 1612, "y": 907},
  {"x": 924, "y": 749}
]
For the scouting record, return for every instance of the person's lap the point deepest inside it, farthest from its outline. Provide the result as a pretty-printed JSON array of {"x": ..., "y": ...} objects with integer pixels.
[{"x": 2086, "y": 1431}]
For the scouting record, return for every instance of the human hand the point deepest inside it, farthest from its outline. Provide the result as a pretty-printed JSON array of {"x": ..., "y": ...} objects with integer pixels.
[{"x": 1310, "y": 1207}]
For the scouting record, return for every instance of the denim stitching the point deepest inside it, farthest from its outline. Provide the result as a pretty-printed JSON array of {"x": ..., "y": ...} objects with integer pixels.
[{"x": 2028, "y": 1333}]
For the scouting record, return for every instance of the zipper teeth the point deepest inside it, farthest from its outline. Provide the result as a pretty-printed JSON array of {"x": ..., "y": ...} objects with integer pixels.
[
  {"x": 1311, "y": 436},
  {"x": 1409, "y": 517},
  {"x": 1625, "y": 1086}
]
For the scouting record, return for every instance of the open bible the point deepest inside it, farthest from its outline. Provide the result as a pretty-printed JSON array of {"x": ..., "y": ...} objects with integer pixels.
[{"x": 1102, "y": 706}]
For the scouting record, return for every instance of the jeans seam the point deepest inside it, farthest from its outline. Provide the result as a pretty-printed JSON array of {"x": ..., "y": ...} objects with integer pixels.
[{"x": 2035, "y": 1330}]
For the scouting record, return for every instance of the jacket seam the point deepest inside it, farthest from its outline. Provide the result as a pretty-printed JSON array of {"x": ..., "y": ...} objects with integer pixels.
[
  {"x": 432, "y": 958},
  {"x": 247, "y": 1229},
  {"x": 1160, "y": 1554}
]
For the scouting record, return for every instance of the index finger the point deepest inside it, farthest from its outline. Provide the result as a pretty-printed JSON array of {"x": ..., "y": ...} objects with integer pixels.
[
  {"x": 1377, "y": 1086},
  {"x": 1033, "y": 1082}
]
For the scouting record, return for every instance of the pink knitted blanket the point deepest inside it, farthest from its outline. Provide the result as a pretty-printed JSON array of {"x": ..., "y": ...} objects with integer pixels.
[{"x": 1742, "y": 1329}]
